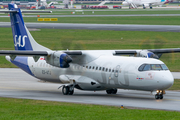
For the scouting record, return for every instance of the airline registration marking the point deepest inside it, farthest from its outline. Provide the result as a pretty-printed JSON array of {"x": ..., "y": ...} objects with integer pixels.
[{"x": 48, "y": 72}]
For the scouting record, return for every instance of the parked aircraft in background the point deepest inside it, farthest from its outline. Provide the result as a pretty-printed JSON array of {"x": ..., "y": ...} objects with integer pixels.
[
  {"x": 144, "y": 3},
  {"x": 88, "y": 69}
]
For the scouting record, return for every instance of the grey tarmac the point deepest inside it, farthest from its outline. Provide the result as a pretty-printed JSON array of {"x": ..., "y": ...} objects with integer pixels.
[
  {"x": 14, "y": 83},
  {"x": 116, "y": 27}
]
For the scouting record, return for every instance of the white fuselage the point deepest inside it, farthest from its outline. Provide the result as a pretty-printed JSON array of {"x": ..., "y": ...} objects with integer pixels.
[{"x": 107, "y": 71}]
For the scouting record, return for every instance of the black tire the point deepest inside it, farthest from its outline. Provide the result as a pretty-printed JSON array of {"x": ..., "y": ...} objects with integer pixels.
[
  {"x": 150, "y": 7},
  {"x": 65, "y": 90},
  {"x": 160, "y": 96},
  {"x": 71, "y": 92},
  {"x": 114, "y": 91},
  {"x": 156, "y": 96},
  {"x": 108, "y": 91}
]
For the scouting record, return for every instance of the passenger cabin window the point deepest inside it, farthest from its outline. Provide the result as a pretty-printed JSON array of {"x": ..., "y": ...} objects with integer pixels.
[
  {"x": 93, "y": 68},
  {"x": 89, "y": 67},
  {"x": 99, "y": 68},
  {"x": 96, "y": 68},
  {"x": 147, "y": 67},
  {"x": 109, "y": 70},
  {"x": 106, "y": 69}
]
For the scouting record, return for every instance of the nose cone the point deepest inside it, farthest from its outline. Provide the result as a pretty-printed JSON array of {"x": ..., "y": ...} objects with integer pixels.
[{"x": 168, "y": 80}]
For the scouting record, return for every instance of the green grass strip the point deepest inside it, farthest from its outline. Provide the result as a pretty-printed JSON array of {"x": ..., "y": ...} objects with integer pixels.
[
  {"x": 21, "y": 109},
  {"x": 144, "y": 20},
  {"x": 59, "y": 39},
  {"x": 176, "y": 85}
]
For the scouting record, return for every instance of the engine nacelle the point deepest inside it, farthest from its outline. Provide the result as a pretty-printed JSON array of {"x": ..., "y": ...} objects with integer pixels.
[
  {"x": 59, "y": 59},
  {"x": 147, "y": 54}
]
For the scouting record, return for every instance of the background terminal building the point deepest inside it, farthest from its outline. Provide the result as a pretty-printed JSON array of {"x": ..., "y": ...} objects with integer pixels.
[
  {"x": 97, "y": 1},
  {"x": 18, "y": 2},
  {"x": 33, "y": 2}
]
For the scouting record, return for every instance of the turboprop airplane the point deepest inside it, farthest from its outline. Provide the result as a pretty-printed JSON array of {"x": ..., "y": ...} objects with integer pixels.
[
  {"x": 144, "y": 3},
  {"x": 88, "y": 69}
]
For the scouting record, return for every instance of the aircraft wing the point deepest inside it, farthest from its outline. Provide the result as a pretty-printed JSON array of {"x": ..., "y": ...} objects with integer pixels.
[
  {"x": 149, "y": 53},
  {"x": 23, "y": 53},
  {"x": 50, "y": 56},
  {"x": 160, "y": 51},
  {"x": 35, "y": 53},
  {"x": 156, "y": 51}
]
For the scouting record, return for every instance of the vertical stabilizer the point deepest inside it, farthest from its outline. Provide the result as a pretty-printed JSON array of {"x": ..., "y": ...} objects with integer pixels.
[{"x": 21, "y": 36}]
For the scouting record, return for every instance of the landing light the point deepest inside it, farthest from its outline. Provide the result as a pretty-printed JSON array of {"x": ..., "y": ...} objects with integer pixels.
[{"x": 157, "y": 91}]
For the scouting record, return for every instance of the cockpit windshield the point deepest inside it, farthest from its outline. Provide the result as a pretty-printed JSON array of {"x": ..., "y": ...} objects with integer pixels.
[{"x": 147, "y": 67}]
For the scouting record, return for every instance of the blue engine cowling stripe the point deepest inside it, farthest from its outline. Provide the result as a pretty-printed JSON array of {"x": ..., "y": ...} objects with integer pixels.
[{"x": 61, "y": 59}]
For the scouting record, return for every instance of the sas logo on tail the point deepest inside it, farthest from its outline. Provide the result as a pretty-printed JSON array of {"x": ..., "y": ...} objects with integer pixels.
[{"x": 19, "y": 41}]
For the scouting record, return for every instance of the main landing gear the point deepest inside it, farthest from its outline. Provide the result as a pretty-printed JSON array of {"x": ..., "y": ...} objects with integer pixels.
[
  {"x": 67, "y": 90},
  {"x": 159, "y": 94},
  {"x": 111, "y": 91}
]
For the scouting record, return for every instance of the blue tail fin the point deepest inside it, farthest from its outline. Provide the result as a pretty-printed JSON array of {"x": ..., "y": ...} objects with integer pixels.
[
  {"x": 21, "y": 39},
  {"x": 21, "y": 36}
]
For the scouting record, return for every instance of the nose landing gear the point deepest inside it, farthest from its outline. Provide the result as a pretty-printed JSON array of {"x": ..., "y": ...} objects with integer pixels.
[{"x": 159, "y": 94}]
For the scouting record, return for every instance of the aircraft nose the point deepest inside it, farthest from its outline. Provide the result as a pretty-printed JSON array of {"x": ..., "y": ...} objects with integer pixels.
[{"x": 168, "y": 81}]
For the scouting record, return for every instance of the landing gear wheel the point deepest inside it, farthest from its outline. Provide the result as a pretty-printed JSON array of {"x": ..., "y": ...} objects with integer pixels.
[
  {"x": 160, "y": 96},
  {"x": 157, "y": 96},
  {"x": 65, "y": 90},
  {"x": 144, "y": 7},
  {"x": 150, "y": 7},
  {"x": 108, "y": 91},
  {"x": 71, "y": 92},
  {"x": 111, "y": 91},
  {"x": 114, "y": 91}
]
